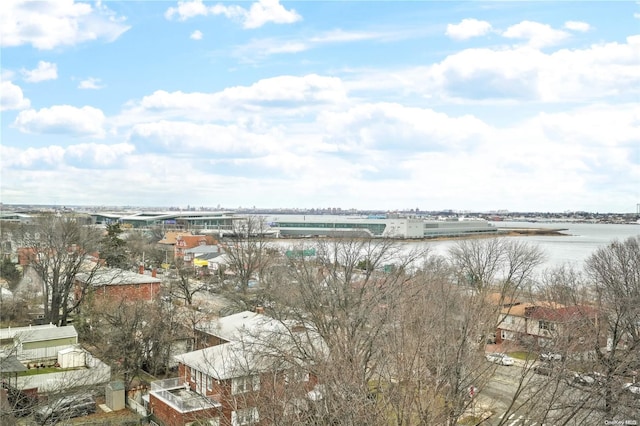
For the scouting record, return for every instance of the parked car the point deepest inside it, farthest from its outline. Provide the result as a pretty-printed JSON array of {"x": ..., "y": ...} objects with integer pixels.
[
  {"x": 545, "y": 369},
  {"x": 550, "y": 356},
  {"x": 20, "y": 403},
  {"x": 498, "y": 358},
  {"x": 65, "y": 408},
  {"x": 632, "y": 388},
  {"x": 588, "y": 379}
]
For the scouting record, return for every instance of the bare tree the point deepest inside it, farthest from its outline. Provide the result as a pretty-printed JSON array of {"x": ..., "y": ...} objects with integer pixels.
[
  {"x": 498, "y": 266},
  {"x": 57, "y": 248},
  {"x": 348, "y": 294},
  {"x": 246, "y": 250},
  {"x": 495, "y": 263},
  {"x": 615, "y": 274},
  {"x": 142, "y": 248},
  {"x": 184, "y": 286}
]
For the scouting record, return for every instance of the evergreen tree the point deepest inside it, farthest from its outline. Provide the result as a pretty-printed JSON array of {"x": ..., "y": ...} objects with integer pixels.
[
  {"x": 9, "y": 272},
  {"x": 114, "y": 248}
]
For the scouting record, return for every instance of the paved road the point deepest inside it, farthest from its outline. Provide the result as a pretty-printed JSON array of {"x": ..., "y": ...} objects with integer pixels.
[{"x": 542, "y": 392}]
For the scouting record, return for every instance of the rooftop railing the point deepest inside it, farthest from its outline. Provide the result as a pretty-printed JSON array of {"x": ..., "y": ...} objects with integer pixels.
[{"x": 180, "y": 396}]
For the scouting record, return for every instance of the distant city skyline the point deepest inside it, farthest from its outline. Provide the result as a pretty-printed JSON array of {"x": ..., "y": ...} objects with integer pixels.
[
  {"x": 319, "y": 210},
  {"x": 467, "y": 106}
]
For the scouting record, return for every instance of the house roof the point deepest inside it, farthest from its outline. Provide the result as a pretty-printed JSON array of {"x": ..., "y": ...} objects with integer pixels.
[
  {"x": 233, "y": 327},
  {"x": 170, "y": 237},
  {"x": 206, "y": 249},
  {"x": 38, "y": 333},
  {"x": 10, "y": 364},
  {"x": 516, "y": 310},
  {"x": 114, "y": 276},
  {"x": 208, "y": 256},
  {"x": 191, "y": 241},
  {"x": 497, "y": 298},
  {"x": 10, "y": 333},
  {"x": 562, "y": 314},
  {"x": 67, "y": 331},
  {"x": 523, "y": 309},
  {"x": 267, "y": 348},
  {"x": 222, "y": 361}
]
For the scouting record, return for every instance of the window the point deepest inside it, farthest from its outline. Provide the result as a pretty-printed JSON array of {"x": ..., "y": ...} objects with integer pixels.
[
  {"x": 245, "y": 384},
  {"x": 507, "y": 335},
  {"x": 296, "y": 376},
  {"x": 209, "y": 383},
  {"x": 246, "y": 416},
  {"x": 193, "y": 374},
  {"x": 546, "y": 325}
]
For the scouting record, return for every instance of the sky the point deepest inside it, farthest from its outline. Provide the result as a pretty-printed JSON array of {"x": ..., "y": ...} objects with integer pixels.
[{"x": 387, "y": 105}]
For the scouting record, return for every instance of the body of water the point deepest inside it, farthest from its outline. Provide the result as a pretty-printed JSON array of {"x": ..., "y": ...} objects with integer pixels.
[{"x": 579, "y": 242}]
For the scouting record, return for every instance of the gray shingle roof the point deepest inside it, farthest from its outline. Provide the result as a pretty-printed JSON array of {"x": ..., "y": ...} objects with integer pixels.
[
  {"x": 54, "y": 333},
  {"x": 10, "y": 364},
  {"x": 113, "y": 276}
]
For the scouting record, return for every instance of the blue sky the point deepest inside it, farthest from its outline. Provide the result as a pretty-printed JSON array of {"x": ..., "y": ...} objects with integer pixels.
[{"x": 370, "y": 105}]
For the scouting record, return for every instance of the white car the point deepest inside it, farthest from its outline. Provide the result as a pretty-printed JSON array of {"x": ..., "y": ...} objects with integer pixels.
[
  {"x": 550, "y": 356},
  {"x": 633, "y": 388},
  {"x": 501, "y": 359}
]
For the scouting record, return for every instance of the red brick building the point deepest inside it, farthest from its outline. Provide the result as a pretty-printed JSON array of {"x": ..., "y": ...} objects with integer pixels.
[
  {"x": 118, "y": 284},
  {"x": 185, "y": 242},
  {"x": 229, "y": 383}
]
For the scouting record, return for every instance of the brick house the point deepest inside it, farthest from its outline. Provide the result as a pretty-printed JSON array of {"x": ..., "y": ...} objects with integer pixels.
[
  {"x": 225, "y": 384},
  {"x": 118, "y": 284},
  {"x": 185, "y": 242}
]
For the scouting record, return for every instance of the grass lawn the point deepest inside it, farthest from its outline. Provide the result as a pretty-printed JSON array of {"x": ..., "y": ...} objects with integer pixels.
[
  {"x": 46, "y": 370},
  {"x": 523, "y": 355}
]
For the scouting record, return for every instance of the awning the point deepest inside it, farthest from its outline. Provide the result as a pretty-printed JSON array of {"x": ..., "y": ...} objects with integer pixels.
[{"x": 200, "y": 262}]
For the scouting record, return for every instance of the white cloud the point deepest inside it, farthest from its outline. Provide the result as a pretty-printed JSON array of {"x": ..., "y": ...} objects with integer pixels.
[
  {"x": 309, "y": 88},
  {"x": 577, "y": 26},
  {"x": 187, "y": 9},
  {"x": 341, "y": 36},
  {"x": 45, "y": 71},
  {"x": 11, "y": 97},
  {"x": 468, "y": 28},
  {"x": 276, "y": 98},
  {"x": 15, "y": 157},
  {"x": 97, "y": 155},
  {"x": 48, "y": 24},
  {"x": 265, "y": 11},
  {"x": 264, "y": 47},
  {"x": 185, "y": 137},
  {"x": 91, "y": 83},
  {"x": 395, "y": 127},
  {"x": 81, "y": 155},
  {"x": 606, "y": 71},
  {"x": 258, "y": 14},
  {"x": 196, "y": 35},
  {"x": 538, "y": 35},
  {"x": 62, "y": 119}
]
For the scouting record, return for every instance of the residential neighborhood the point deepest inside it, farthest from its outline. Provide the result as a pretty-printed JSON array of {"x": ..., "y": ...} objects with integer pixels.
[{"x": 179, "y": 328}]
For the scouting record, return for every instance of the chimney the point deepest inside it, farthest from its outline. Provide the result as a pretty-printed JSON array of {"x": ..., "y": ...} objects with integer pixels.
[
  {"x": 154, "y": 272},
  {"x": 141, "y": 269},
  {"x": 260, "y": 310}
]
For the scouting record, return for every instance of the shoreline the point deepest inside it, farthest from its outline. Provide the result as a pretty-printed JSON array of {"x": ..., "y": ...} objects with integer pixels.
[
  {"x": 523, "y": 232},
  {"x": 502, "y": 232}
]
